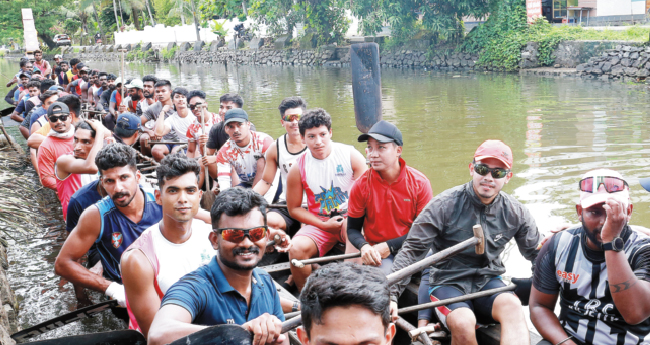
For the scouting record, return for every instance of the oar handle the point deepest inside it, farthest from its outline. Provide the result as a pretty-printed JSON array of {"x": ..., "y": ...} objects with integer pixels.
[
  {"x": 456, "y": 299},
  {"x": 276, "y": 240},
  {"x": 403, "y": 324},
  {"x": 291, "y": 324},
  {"x": 302, "y": 263},
  {"x": 437, "y": 257}
]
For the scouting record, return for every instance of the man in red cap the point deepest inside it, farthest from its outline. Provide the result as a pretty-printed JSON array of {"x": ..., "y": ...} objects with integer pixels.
[{"x": 447, "y": 220}]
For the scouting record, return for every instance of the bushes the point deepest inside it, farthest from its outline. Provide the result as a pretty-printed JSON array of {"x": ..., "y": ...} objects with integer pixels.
[{"x": 168, "y": 54}]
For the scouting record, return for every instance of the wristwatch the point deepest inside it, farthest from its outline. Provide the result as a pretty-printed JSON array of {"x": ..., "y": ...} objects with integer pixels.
[{"x": 616, "y": 245}]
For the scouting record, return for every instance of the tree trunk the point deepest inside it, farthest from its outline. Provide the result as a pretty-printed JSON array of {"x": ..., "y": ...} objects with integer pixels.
[
  {"x": 146, "y": 2},
  {"x": 99, "y": 23},
  {"x": 119, "y": 2},
  {"x": 136, "y": 21},
  {"x": 196, "y": 22},
  {"x": 117, "y": 21},
  {"x": 180, "y": 7},
  {"x": 47, "y": 39}
]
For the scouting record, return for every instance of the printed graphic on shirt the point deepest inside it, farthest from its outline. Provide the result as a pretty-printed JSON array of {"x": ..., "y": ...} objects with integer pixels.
[
  {"x": 116, "y": 239},
  {"x": 331, "y": 198},
  {"x": 242, "y": 159}
]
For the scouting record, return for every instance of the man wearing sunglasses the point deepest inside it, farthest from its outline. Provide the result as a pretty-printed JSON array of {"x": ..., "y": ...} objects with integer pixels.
[
  {"x": 195, "y": 135},
  {"x": 385, "y": 200},
  {"x": 230, "y": 289},
  {"x": 59, "y": 141},
  {"x": 601, "y": 271},
  {"x": 282, "y": 155},
  {"x": 168, "y": 250},
  {"x": 447, "y": 220}
]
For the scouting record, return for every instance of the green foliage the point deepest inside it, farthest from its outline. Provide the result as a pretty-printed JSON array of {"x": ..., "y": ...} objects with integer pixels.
[
  {"x": 501, "y": 38},
  {"x": 168, "y": 54},
  {"x": 46, "y": 15},
  {"x": 218, "y": 28},
  {"x": 327, "y": 18},
  {"x": 136, "y": 55}
]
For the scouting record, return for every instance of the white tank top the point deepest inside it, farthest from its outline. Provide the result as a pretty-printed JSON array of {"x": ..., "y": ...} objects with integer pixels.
[
  {"x": 286, "y": 160},
  {"x": 327, "y": 182}
]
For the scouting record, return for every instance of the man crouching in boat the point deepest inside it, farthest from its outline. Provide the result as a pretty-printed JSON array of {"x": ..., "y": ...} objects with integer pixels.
[
  {"x": 346, "y": 303},
  {"x": 385, "y": 200},
  {"x": 601, "y": 271},
  {"x": 447, "y": 220},
  {"x": 229, "y": 290},
  {"x": 168, "y": 250}
]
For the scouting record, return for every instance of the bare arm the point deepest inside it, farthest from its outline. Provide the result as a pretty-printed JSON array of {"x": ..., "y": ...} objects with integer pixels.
[
  {"x": 170, "y": 323},
  {"x": 542, "y": 316},
  {"x": 270, "y": 169},
  {"x": 358, "y": 162},
  {"x": 35, "y": 127},
  {"x": 76, "y": 245},
  {"x": 259, "y": 171},
  {"x": 34, "y": 141},
  {"x": 67, "y": 164},
  {"x": 16, "y": 117},
  {"x": 161, "y": 127},
  {"x": 138, "y": 276},
  {"x": 294, "y": 200}
]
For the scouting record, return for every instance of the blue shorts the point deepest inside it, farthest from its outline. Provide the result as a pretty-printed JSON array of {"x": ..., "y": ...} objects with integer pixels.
[{"x": 482, "y": 307}]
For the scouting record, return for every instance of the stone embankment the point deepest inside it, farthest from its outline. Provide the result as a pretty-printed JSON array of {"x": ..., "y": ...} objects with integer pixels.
[{"x": 624, "y": 61}]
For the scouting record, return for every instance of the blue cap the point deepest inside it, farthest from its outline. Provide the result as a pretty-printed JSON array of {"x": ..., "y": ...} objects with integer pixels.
[
  {"x": 235, "y": 115},
  {"x": 128, "y": 121},
  {"x": 54, "y": 88}
]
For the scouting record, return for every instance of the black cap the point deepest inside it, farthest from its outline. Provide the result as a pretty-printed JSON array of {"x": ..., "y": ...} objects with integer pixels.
[
  {"x": 57, "y": 108},
  {"x": 384, "y": 132},
  {"x": 236, "y": 114}
]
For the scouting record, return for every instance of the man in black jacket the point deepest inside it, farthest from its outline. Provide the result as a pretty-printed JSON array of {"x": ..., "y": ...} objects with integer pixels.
[{"x": 447, "y": 220}]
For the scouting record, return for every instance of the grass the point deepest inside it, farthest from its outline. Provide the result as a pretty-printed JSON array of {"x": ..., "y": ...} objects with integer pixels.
[{"x": 632, "y": 33}]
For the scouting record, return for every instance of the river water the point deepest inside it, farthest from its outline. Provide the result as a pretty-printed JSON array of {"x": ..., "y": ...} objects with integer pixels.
[{"x": 557, "y": 128}]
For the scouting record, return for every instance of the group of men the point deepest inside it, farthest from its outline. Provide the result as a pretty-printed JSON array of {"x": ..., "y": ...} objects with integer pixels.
[{"x": 177, "y": 268}]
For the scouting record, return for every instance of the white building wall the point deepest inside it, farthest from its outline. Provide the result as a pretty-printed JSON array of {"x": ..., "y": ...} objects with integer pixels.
[{"x": 620, "y": 7}]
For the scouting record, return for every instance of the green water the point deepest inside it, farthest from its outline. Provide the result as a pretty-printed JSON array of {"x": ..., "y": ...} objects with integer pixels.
[{"x": 558, "y": 129}]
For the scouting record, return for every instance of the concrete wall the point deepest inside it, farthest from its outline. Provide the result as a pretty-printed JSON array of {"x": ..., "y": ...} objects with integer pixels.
[{"x": 620, "y": 7}]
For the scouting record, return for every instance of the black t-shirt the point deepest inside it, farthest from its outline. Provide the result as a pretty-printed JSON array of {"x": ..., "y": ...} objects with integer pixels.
[
  {"x": 105, "y": 98},
  {"x": 565, "y": 265},
  {"x": 218, "y": 136}
]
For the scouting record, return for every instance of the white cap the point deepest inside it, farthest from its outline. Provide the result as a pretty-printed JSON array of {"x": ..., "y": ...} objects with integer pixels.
[{"x": 601, "y": 195}]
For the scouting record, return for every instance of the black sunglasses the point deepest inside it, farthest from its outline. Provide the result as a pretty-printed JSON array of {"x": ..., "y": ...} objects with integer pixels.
[
  {"x": 197, "y": 105},
  {"x": 483, "y": 170},
  {"x": 54, "y": 119}
]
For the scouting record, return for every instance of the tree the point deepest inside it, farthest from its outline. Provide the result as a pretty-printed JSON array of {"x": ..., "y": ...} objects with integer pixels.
[{"x": 47, "y": 15}]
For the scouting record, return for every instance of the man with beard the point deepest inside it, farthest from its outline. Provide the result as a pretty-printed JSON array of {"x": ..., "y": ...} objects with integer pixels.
[
  {"x": 164, "y": 106},
  {"x": 93, "y": 86},
  {"x": 76, "y": 169},
  {"x": 62, "y": 74},
  {"x": 230, "y": 289},
  {"x": 107, "y": 90},
  {"x": 196, "y": 138},
  {"x": 58, "y": 141},
  {"x": 78, "y": 85},
  {"x": 601, "y": 271},
  {"x": 58, "y": 59},
  {"x": 447, "y": 220},
  {"x": 42, "y": 64},
  {"x": 170, "y": 249},
  {"x": 148, "y": 83},
  {"x": 134, "y": 89},
  {"x": 282, "y": 155},
  {"x": 174, "y": 126}
]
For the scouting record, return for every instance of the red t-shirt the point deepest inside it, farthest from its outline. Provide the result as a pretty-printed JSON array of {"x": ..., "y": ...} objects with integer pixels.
[
  {"x": 50, "y": 150},
  {"x": 389, "y": 209}
]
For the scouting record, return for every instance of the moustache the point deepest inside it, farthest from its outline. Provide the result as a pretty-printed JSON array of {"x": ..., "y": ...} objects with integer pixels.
[
  {"x": 119, "y": 195},
  {"x": 240, "y": 250}
]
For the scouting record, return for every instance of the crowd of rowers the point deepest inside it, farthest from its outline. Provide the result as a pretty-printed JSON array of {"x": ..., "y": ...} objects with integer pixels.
[{"x": 177, "y": 268}]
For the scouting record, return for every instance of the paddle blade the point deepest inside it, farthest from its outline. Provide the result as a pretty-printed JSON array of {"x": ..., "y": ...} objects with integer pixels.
[
  {"x": 207, "y": 199},
  {"x": 124, "y": 337},
  {"x": 218, "y": 335},
  {"x": 366, "y": 84},
  {"x": 7, "y": 111}
]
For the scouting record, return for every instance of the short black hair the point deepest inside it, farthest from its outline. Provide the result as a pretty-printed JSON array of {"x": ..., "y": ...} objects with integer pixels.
[
  {"x": 33, "y": 83},
  {"x": 151, "y": 78},
  {"x": 74, "y": 61},
  {"x": 163, "y": 82},
  {"x": 342, "y": 285},
  {"x": 290, "y": 103},
  {"x": 47, "y": 94},
  {"x": 46, "y": 84},
  {"x": 232, "y": 97},
  {"x": 236, "y": 201},
  {"x": 103, "y": 74},
  {"x": 73, "y": 102},
  {"x": 111, "y": 77},
  {"x": 23, "y": 62},
  {"x": 116, "y": 155},
  {"x": 179, "y": 90},
  {"x": 314, "y": 118},
  {"x": 64, "y": 62},
  {"x": 196, "y": 93},
  {"x": 175, "y": 165},
  {"x": 85, "y": 125}
]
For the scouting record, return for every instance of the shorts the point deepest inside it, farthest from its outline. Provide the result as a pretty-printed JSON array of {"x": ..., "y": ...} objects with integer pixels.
[
  {"x": 482, "y": 307},
  {"x": 387, "y": 264},
  {"x": 26, "y": 121},
  {"x": 244, "y": 185},
  {"x": 292, "y": 225},
  {"x": 324, "y": 240}
]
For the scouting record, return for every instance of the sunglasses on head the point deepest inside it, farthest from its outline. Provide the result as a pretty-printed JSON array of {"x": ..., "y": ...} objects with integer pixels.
[
  {"x": 483, "y": 170},
  {"x": 612, "y": 184},
  {"x": 235, "y": 235},
  {"x": 291, "y": 118},
  {"x": 54, "y": 119}
]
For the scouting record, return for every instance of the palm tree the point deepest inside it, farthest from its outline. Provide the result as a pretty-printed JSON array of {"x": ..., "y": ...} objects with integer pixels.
[
  {"x": 146, "y": 2},
  {"x": 116, "y": 20}
]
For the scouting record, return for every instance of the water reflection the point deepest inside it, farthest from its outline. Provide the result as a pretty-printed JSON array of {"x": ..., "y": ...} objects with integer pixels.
[{"x": 558, "y": 128}]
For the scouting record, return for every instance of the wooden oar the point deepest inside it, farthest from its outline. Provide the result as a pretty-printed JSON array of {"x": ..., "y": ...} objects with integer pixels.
[
  {"x": 423, "y": 337},
  {"x": 150, "y": 143},
  {"x": 456, "y": 299},
  {"x": 123, "y": 337},
  {"x": 366, "y": 84},
  {"x": 302, "y": 263},
  {"x": 207, "y": 198},
  {"x": 63, "y": 320}
]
